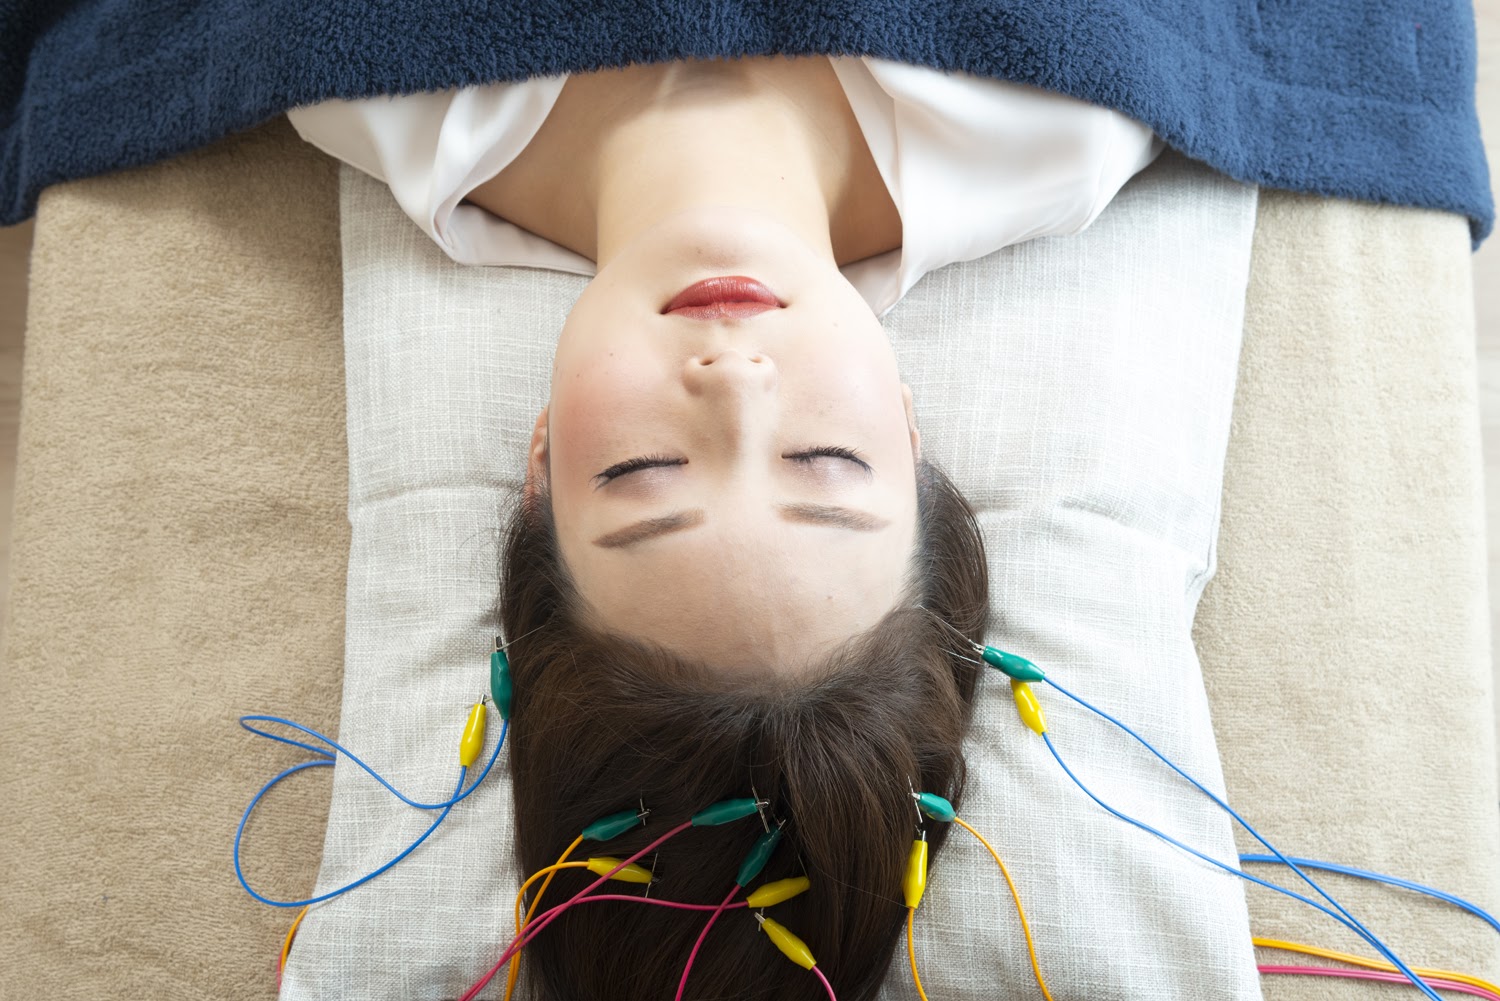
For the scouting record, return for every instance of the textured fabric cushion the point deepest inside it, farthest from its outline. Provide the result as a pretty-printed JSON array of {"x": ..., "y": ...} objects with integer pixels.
[{"x": 1079, "y": 392}]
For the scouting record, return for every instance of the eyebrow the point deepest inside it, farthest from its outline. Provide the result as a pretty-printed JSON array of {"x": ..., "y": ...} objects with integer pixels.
[{"x": 677, "y": 521}]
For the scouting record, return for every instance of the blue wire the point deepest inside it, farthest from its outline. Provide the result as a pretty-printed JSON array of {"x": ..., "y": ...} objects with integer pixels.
[
  {"x": 284, "y": 740},
  {"x": 505, "y": 725},
  {"x": 343, "y": 889},
  {"x": 1349, "y": 923},
  {"x": 327, "y": 759},
  {"x": 1292, "y": 863},
  {"x": 1380, "y": 877},
  {"x": 1191, "y": 851}
]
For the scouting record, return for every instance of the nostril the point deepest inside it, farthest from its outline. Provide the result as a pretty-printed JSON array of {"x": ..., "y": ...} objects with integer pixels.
[{"x": 703, "y": 361}]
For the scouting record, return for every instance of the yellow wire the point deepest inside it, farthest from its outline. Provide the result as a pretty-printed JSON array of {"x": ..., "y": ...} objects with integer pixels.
[
  {"x": 911, "y": 952},
  {"x": 550, "y": 871},
  {"x": 291, "y": 933},
  {"x": 1030, "y": 945},
  {"x": 558, "y": 867},
  {"x": 1372, "y": 964}
]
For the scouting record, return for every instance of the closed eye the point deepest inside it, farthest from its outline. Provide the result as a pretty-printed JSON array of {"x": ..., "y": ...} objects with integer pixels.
[
  {"x": 634, "y": 465},
  {"x": 805, "y": 456},
  {"x": 831, "y": 451}
]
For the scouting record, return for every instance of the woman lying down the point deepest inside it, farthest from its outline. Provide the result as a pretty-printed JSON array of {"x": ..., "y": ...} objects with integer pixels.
[{"x": 732, "y": 569}]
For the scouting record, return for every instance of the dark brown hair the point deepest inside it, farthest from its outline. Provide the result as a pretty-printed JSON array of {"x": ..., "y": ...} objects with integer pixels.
[{"x": 601, "y": 722}]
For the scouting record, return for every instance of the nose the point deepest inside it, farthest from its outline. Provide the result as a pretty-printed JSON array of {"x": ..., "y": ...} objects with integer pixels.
[{"x": 728, "y": 373}]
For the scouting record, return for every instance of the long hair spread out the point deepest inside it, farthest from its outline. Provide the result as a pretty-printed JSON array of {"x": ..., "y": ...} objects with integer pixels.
[{"x": 601, "y": 723}]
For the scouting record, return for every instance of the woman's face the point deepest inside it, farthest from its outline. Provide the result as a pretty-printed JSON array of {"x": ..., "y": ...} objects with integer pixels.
[{"x": 738, "y": 489}]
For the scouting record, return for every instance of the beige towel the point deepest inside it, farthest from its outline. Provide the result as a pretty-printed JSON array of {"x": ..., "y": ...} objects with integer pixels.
[
  {"x": 1345, "y": 638},
  {"x": 180, "y": 546},
  {"x": 179, "y": 557}
]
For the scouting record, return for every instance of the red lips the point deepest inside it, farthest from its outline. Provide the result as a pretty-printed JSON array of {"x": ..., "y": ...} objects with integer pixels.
[{"x": 723, "y": 298}]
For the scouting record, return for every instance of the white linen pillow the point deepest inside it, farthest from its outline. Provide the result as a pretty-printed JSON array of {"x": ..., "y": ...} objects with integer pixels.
[{"x": 1078, "y": 390}]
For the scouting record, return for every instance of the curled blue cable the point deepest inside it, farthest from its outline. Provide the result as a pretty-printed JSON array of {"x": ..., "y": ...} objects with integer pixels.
[
  {"x": 505, "y": 725},
  {"x": 1349, "y": 923},
  {"x": 326, "y": 759}
]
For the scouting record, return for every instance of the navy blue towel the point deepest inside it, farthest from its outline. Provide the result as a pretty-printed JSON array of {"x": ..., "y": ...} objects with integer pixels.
[{"x": 1365, "y": 99}]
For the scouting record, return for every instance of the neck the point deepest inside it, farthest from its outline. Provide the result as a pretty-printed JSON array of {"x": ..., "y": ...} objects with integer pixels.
[
  {"x": 646, "y": 143},
  {"x": 719, "y": 134}
]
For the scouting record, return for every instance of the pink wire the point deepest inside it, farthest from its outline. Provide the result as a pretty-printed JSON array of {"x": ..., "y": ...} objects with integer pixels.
[
  {"x": 682, "y": 984},
  {"x": 1393, "y": 978},
  {"x": 536, "y": 927},
  {"x": 825, "y": 983}
]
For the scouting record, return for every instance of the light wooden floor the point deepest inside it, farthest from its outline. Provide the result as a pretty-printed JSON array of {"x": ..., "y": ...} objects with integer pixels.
[{"x": 15, "y": 244}]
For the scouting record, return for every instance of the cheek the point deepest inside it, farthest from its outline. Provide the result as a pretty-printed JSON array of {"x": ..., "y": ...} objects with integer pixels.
[
  {"x": 857, "y": 380},
  {"x": 584, "y": 396},
  {"x": 597, "y": 404}
]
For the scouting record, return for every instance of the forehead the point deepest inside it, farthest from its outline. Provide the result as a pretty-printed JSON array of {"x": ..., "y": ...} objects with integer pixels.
[{"x": 752, "y": 592}]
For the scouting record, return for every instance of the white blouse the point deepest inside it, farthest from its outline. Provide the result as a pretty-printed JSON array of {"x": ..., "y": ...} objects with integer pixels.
[{"x": 972, "y": 164}]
